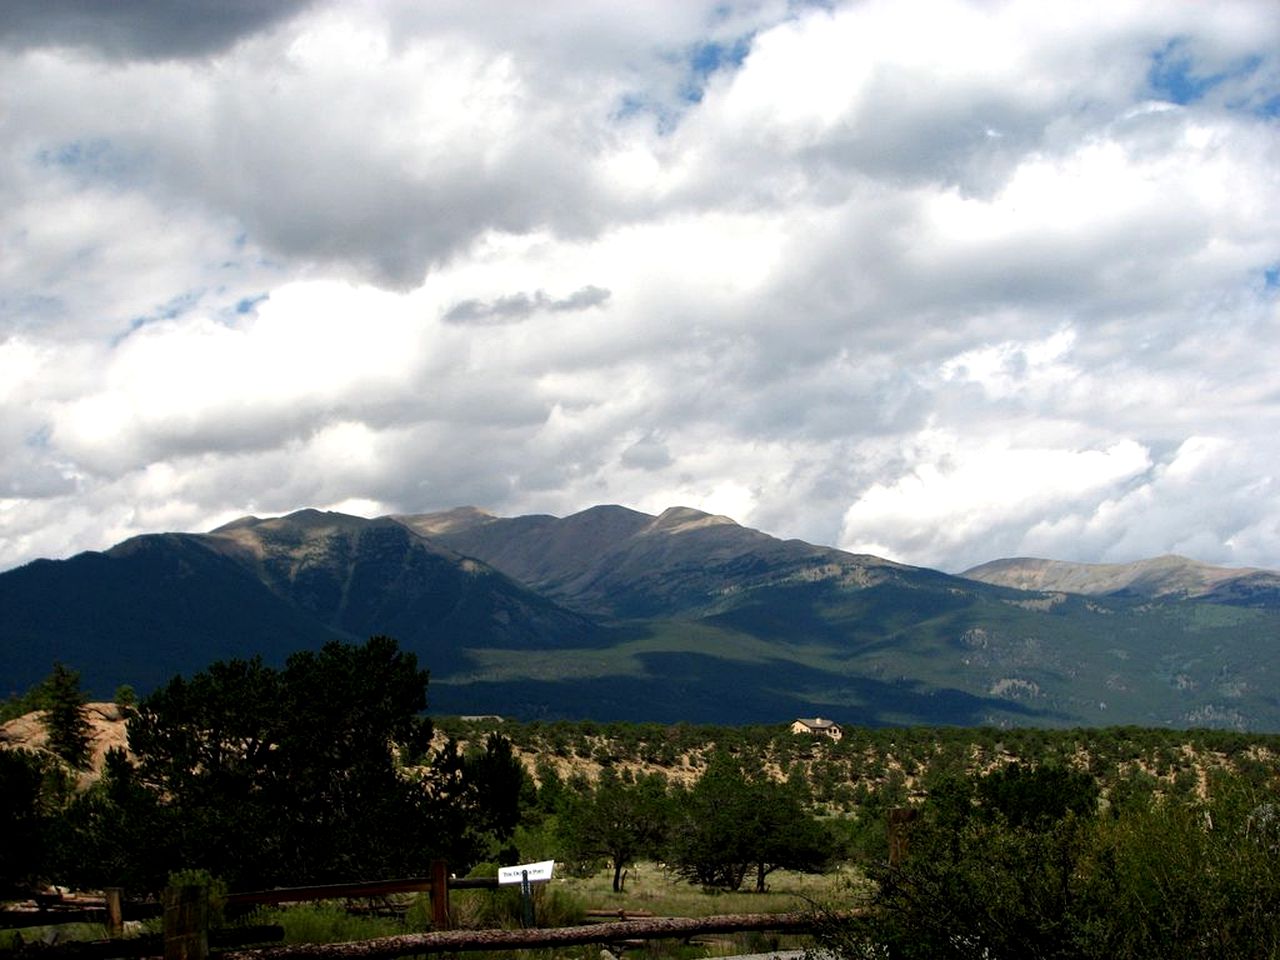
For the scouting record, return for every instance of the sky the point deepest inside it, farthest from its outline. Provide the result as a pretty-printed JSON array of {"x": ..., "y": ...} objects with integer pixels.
[{"x": 940, "y": 281}]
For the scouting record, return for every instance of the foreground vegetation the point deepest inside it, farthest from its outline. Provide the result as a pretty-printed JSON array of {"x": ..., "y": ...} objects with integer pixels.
[
  {"x": 1117, "y": 843},
  {"x": 1024, "y": 862}
]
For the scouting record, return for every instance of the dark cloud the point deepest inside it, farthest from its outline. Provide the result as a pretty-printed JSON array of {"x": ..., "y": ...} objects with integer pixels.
[
  {"x": 648, "y": 453},
  {"x": 149, "y": 29},
  {"x": 519, "y": 307},
  {"x": 582, "y": 299}
]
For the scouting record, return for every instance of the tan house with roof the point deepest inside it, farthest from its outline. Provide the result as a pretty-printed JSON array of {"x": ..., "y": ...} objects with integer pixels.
[{"x": 818, "y": 727}]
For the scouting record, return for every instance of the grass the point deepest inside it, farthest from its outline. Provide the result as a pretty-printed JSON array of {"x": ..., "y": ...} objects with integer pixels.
[
  {"x": 650, "y": 887},
  {"x": 329, "y": 922},
  {"x": 564, "y": 902},
  {"x": 12, "y": 939}
]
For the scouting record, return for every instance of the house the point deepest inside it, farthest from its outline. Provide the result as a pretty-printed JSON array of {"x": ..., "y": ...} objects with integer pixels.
[{"x": 818, "y": 727}]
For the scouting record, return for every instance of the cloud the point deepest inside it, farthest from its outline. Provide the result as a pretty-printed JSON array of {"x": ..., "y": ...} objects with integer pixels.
[
  {"x": 649, "y": 452},
  {"x": 517, "y": 307},
  {"x": 996, "y": 280},
  {"x": 958, "y": 500},
  {"x": 153, "y": 29}
]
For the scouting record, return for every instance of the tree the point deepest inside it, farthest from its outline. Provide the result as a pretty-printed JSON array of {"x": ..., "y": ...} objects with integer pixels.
[
  {"x": 1026, "y": 796},
  {"x": 345, "y": 710},
  {"x": 498, "y": 780},
  {"x": 33, "y": 788},
  {"x": 125, "y": 697},
  {"x": 619, "y": 819},
  {"x": 551, "y": 787},
  {"x": 473, "y": 801},
  {"x": 992, "y": 871},
  {"x": 731, "y": 824},
  {"x": 1021, "y": 864},
  {"x": 64, "y": 717},
  {"x": 290, "y": 775},
  {"x": 111, "y": 833}
]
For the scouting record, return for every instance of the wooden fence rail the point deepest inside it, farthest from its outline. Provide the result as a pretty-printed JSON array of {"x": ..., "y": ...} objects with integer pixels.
[
  {"x": 451, "y": 941},
  {"x": 143, "y": 945},
  {"x": 447, "y": 941},
  {"x": 112, "y": 909},
  {"x": 186, "y": 934}
]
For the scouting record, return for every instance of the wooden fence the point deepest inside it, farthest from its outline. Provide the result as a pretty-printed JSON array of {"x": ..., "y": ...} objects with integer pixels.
[
  {"x": 187, "y": 935},
  {"x": 112, "y": 909}
]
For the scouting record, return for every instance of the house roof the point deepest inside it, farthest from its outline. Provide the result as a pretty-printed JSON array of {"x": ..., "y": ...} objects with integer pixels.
[{"x": 817, "y": 723}]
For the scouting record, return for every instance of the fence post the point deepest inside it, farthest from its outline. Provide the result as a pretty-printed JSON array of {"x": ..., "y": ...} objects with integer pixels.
[
  {"x": 114, "y": 899},
  {"x": 186, "y": 923},
  {"x": 439, "y": 895},
  {"x": 899, "y": 820}
]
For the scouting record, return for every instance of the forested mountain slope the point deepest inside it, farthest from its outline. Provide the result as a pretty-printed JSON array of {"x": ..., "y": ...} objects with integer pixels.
[
  {"x": 616, "y": 614},
  {"x": 163, "y": 604}
]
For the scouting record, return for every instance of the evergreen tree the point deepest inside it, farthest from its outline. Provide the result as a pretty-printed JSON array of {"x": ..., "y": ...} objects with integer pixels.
[
  {"x": 64, "y": 717},
  {"x": 33, "y": 787},
  {"x": 290, "y": 776}
]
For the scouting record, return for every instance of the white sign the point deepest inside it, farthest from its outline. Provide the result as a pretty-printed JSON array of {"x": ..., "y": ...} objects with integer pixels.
[{"x": 537, "y": 872}]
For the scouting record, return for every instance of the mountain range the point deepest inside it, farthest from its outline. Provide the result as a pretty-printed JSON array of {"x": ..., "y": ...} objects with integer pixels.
[{"x": 615, "y": 614}]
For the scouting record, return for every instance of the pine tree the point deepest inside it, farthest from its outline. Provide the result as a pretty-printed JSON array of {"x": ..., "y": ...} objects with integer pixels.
[{"x": 64, "y": 718}]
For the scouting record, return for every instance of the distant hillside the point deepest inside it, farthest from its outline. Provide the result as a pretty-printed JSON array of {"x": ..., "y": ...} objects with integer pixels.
[
  {"x": 613, "y": 614},
  {"x": 163, "y": 604},
  {"x": 1168, "y": 576},
  {"x": 730, "y": 624}
]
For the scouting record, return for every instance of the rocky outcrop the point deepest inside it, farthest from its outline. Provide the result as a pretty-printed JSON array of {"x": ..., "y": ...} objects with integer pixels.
[{"x": 106, "y": 725}]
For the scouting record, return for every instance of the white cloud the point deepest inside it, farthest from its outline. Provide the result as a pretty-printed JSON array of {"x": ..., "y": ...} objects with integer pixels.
[
  {"x": 945, "y": 282},
  {"x": 957, "y": 499}
]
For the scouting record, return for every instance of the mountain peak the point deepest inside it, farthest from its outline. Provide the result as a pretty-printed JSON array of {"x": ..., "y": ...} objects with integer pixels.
[
  {"x": 684, "y": 519},
  {"x": 306, "y": 519},
  {"x": 249, "y": 520},
  {"x": 445, "y": 521}
]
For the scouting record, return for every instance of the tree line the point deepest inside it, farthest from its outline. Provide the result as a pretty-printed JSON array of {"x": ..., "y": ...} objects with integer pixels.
[
  {"x": 325, "y": 771},
  {"x": 872, "y": 766},
  {"x": 315, "y": 772}
]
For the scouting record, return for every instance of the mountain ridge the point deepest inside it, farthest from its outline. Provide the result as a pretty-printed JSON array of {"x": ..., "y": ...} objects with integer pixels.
[
  {"x": 611, "y": 613},
  {"x": 1169, "y": 574}
]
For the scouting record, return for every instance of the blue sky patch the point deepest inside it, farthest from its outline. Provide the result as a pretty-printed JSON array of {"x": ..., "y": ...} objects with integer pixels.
[
  {"x": 177, "y": 306},
  {"x": 1173, "y": 76},
  {"x": 1269, "y": 109},
  {"x": 169, "y": 310},
  {"x": 700, "y": 62},
  {"x": 77, "y": 153},
  {"x": 247, "y": 304},
  {"x": 91, "y": 159},
  {"x": 39, "y": 439},
  {"x": 708, "y": 58}
]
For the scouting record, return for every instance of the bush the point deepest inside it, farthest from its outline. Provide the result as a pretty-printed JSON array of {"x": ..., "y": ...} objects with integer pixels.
[
  {"x": 1168, "y": 879},
  {"x": 203, "y": 878}
]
